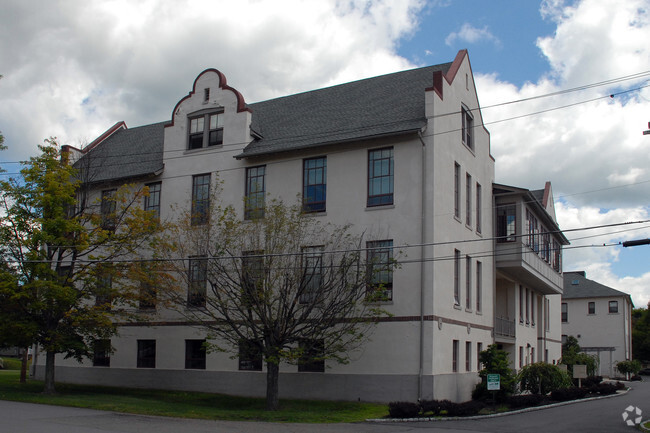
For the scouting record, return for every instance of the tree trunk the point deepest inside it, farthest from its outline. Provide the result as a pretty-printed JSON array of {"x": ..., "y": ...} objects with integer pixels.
[
  {"x": 49, "y": 373},
  {"x": 23, "y": 367},
  {"x": 272, "y": 388}
]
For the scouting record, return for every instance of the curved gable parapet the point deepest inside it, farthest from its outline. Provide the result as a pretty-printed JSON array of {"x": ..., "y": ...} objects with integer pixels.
[{"x": 223, "y": 84}]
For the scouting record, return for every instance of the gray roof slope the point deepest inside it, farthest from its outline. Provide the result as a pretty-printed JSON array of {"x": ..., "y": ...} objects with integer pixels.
[
  {"x": 385, "y": 105},
  {"x": 379, "y": 106},
  {"x": 127, "y": 153},
  {"x": 586, "y": 288}
]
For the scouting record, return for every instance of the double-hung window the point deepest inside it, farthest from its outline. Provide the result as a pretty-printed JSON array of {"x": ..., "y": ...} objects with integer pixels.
[
  {"x": 196, "y": 293},
  {"x": 457, "y": 190},
  {"x": 613, "y": 307},
  {"x": 312, "y": 258},
  {"x": 565, "y": 312},
  {"x": 253, "y": 274},
  {"x": 200, "y": 199},
  {"x": 380, "y": 271},
  {"x": 311, "y": 359},
  {"x": 314, "y": 184},
  {"x": 380, "y": 177},
  {"x": 478, "y": 207},
  {"x": 152, "y": 201},
  {"x": 468, "y": 199},
  {"x": 468, "y": 127},
  {"x": 255, "y": 190},
  {"x": 102, "y": 353},
  {"x": 108, "y": 207},
  {"x": 468, "y": 282},
  {"x": 146, "y": 354},
  {"x": 195, "y": 354},
  {"x": 250, "y": 355},
  {"x": 205, "y": 130}
]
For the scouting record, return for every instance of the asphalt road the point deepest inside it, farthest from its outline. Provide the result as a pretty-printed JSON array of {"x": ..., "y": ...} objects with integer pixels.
[{"x": 603, "y": 415}]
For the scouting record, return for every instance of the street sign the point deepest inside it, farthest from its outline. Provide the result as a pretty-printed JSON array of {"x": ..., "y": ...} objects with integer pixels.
[{"x": 493, "y": 382}]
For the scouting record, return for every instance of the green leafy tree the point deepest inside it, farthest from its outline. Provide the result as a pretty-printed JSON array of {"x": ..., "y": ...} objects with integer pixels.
[
  {"x": 572, "y": 354},
  {"x": 283, "y": 287},
  {"x": 641, "y": 333},
  {"x": 629, "y": 367},
  {"x": 542, "y": 378},
  {"x": 58, "y": 253},
  {"x": 495, "y": 361}
]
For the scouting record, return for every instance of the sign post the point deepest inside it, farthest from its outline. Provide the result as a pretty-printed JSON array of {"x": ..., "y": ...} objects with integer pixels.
[{"x": 494, "y": 385}]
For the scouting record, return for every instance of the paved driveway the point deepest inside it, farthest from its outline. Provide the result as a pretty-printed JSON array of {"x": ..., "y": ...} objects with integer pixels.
[{"x": 593, "y": 416}]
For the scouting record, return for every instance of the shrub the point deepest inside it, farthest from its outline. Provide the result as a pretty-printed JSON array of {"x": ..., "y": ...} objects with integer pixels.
[
  {"x": 566, "y": 394},
  {"x": 434, "y": 406},
  {"x": 629, "y": 367},
  {"x": 468, "y": 408},
  {"x": 606, "y": 388},
  {"x": 620, "y": 386},
  {"x": 403, "y": 409},
  {"x": 636, "y": 378},
  {"x": 542, "y": 378},
  {"x": 524, "y": 400},
  {"x": 590, "y": 381}
]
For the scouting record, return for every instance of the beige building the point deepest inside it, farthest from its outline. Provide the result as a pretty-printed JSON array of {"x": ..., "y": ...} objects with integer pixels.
[
  {"x": 402, "y": 157},
  {"x": 528, "y": 275},
  {"x": 600, "y": 317}
]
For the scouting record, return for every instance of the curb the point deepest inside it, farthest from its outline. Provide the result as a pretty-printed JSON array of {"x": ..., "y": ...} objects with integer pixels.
[
  {"x": 495, "y": 415},
  {"x": 642, "y": 428}
]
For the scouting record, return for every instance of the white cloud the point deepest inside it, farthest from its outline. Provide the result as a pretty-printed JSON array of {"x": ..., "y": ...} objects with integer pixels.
[
  {"x": 472, "y": 35},
  {"x": 73, "y": 69},
  {"x": 594, "y": 153}
]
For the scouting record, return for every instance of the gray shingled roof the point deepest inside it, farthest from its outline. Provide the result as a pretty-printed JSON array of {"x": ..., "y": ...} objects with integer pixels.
[
  {"x": 577, "y": 286},
  {"x": 385, "y": 105},
  {"x": 128, "y": 153}
]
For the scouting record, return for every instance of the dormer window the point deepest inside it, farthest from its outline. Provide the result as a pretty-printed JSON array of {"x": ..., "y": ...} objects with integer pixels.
[{"x": 205, "y": 130}]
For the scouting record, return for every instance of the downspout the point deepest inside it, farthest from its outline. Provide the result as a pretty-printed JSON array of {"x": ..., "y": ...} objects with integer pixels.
[{"x": 422, "y": 263}]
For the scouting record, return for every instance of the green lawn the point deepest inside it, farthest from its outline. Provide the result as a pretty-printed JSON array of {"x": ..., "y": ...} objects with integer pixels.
[{"x": 186, "y": 404}]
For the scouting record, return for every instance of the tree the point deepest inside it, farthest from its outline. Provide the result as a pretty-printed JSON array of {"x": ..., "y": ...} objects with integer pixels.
[
  {"x": 641, "y": 333},
  {"x": 572, "y": 354},
  {"x": 59, "y": 252},
  {"x": 629, "y": 367},
  {"x": 542, "y": 378},
  {"x": 495, "y": 361},
  {"x": 283, "y": 287}
]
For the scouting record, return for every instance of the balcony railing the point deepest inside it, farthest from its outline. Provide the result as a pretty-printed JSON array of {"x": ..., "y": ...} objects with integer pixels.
[{"x": 504, "y": 327}]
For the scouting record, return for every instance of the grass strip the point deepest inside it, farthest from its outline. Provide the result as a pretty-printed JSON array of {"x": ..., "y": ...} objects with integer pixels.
[{"x": 186, "y": 404}]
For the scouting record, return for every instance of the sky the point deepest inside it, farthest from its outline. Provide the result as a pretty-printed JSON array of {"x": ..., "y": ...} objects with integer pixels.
[{"x": 563, "y": 85}]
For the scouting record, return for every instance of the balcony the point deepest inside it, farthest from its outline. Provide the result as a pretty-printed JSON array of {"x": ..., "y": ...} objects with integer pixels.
[
  {"x": 523, "y": 264},
  {"x": 504, "y": 329}
]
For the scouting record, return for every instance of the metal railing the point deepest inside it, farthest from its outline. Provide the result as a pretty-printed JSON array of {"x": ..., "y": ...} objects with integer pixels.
[{"x": 504, "y": 327}]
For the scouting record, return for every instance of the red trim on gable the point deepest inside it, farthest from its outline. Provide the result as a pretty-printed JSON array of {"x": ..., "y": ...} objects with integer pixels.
[
  {"x": 110, "y": 131},
  {"x": 455, "y": 66},
  {"x": 449, "y": 76},
  {"x": 241, "y": 103}
]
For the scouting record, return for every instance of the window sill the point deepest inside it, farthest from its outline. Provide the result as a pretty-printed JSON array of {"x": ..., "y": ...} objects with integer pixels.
[
  {"x": 468, "y": 310},
  {"x": 457, "y": 307},
  {"x": 471, "y": 149},
  {"x": 380, "y": 207},
  {"x": 202, "y": 149}
]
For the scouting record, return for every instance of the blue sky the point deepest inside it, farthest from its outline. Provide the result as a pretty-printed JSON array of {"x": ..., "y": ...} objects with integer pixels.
[
  {"x": 72, "y": 69},
  {"x": 502, "y": 35}
]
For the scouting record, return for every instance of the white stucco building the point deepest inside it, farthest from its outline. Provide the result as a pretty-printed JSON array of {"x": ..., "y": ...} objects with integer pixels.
[
  {"x": 528, "y": 275},
  {"x": 402, "y": 157},
  {"x": 600, "y": 317}
]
